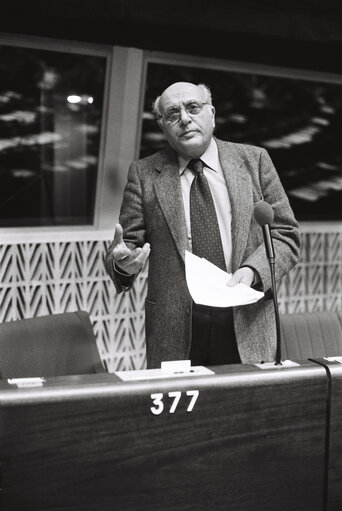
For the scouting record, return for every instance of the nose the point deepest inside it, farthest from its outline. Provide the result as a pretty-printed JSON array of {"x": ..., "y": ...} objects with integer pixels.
[{"x": 184, "y": 116}]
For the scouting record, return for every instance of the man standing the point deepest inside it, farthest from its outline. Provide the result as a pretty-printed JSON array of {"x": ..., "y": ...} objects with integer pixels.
[{"x": 198, "y": 194}]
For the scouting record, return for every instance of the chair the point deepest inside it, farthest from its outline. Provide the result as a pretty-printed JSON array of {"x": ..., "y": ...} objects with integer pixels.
[
  {"x": 54, "y": 345},
  {"x": 311, "y": 335}
]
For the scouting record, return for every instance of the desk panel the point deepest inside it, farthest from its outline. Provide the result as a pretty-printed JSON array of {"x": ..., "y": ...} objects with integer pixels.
[
  {"x": 254, "y": 439},
  {"x": 334, "y": 489}
]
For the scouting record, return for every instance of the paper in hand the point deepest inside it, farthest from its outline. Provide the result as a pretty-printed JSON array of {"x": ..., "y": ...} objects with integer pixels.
[{"x": 207, "y": 285}]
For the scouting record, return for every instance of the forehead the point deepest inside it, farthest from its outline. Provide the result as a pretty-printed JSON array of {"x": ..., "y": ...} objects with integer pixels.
[{"x": 178, "y": 94}]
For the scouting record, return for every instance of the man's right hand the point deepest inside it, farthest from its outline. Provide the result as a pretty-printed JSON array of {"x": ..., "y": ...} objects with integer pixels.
[{"x": 128, "y": 260}]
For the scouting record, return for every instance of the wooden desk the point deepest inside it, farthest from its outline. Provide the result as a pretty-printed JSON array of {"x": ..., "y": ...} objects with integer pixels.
[{"x": 254, "y": 440}]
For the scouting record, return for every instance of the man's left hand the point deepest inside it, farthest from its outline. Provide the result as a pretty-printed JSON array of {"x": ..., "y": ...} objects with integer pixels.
[{"x": 245, "y": 275}]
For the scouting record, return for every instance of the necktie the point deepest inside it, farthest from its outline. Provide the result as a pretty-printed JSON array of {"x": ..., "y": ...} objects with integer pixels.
[{"x": 205, "y": 233}]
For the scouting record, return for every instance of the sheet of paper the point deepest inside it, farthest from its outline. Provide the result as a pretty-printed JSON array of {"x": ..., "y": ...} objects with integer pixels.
[{"x": 207, "y": 285}]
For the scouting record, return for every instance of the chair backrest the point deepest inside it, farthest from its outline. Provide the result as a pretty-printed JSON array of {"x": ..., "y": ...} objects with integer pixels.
[
  {"x": 311, "y": 335},
  {"x": 55, "y": 345}
]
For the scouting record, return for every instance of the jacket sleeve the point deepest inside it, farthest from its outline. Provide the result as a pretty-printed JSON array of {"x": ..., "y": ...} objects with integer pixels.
[
  {"x": 284, "y": 230},
  {"x": 133, "y": 223}
]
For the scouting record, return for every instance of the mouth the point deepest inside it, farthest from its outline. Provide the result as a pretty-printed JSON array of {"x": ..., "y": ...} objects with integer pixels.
[{"x": 188, "y": 134}]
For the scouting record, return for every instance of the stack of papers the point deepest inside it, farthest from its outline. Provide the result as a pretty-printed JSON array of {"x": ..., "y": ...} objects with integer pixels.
[{"x": 207, "y": 285}]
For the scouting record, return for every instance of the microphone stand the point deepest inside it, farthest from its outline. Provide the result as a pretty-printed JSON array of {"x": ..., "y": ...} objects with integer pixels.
[
  {"x": 271, "y": 260},
  {"x": 276, "y": 310}
]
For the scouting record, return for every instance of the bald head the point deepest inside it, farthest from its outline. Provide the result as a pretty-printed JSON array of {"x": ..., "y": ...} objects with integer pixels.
[
  {"x": 187, "y": 118},
  {"x": 179, "y": 88}
]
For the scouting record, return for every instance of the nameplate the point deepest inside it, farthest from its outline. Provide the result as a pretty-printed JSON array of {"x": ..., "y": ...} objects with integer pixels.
[
  {"x": 152, "y": 374},
  {"x": 26, "y": 382},
  {"x": 272, "y": 365},
  {"x": 334, "y": 359}
]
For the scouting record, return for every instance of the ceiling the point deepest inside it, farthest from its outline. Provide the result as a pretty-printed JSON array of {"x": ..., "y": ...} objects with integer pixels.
[{"x": 302, "y": 33}]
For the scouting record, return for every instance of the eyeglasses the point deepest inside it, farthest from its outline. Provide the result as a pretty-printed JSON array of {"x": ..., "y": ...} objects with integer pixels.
[{"x": 173, "y": 115}]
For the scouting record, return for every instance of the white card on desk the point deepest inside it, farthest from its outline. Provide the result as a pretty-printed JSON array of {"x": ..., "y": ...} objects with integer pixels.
[
  {"x": 334, "y": 359},
  {"x": 27, "y": 382},
  {"x": 148, "y": 374}
]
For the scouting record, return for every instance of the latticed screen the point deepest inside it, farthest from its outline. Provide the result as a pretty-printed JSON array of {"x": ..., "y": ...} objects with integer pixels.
[
  {"x": 47, "y": 278},
  {"x": 50, "y": 127}
]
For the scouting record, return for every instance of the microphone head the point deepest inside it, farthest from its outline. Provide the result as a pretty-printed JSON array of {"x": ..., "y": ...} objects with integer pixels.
[{"x": 263, "y": 213}]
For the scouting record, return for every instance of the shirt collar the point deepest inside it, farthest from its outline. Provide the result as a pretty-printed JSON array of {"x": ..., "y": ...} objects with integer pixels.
[{"x": 210, "y": 158}]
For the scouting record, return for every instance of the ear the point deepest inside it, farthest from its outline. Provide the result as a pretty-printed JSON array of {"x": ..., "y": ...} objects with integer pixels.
[{"x": 213, "y": 115}]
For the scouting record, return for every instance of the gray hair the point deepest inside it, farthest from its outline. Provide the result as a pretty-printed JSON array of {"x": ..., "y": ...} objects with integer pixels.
[{"x": 206, "y": 93}]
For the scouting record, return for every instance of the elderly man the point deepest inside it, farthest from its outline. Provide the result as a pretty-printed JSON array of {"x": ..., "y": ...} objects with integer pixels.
[{"x": 198, "y": 194}]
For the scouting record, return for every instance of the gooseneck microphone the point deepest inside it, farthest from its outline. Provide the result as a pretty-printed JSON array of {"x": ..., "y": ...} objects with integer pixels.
[{"x": 264, "y": 216}]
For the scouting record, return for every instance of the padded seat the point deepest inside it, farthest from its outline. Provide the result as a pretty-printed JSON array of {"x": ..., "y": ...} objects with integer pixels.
[
  {"x": 55, "y": 345},
  {"x": 311, "y": 335}
]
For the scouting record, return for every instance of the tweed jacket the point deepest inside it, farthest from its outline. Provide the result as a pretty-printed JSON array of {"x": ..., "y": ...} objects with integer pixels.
[{"x": 152, "y": 211}]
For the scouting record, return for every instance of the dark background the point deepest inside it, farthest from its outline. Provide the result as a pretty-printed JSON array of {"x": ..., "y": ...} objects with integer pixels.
[
  {"x": 294, "y": 33},
  {"x": 302, "y": 34},
  {"x": 298, "y": 121}
]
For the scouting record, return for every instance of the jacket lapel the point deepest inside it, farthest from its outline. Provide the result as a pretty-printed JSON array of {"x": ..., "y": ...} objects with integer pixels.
[
  {"x": 169, "y": 194},
  {"x": 241, "y": 198}
]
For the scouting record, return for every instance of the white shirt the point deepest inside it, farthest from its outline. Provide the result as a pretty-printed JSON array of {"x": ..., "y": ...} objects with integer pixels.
[{"x": 214, "y": 174}]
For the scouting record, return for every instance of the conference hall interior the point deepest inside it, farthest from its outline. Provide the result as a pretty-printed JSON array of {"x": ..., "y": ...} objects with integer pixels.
[{"x": 84, "y": 424}]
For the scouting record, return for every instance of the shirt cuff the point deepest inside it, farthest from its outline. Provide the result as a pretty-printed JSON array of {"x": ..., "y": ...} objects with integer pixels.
[
  {"x": 124, "y": 277},
  {"x": 256, "y": 279}
]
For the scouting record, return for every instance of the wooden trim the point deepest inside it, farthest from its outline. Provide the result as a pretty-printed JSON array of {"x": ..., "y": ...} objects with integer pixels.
[{"x": 238, "y": 66}]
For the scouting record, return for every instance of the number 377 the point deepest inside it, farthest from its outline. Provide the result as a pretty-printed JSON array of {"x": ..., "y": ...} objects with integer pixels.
[{"x": 158, "y": 402}]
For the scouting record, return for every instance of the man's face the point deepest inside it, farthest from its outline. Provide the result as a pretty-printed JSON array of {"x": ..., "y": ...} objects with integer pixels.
[{"x": 190, "y": 135}]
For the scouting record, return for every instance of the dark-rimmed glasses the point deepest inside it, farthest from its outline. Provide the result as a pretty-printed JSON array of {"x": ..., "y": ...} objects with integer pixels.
[{"x": 173, "y": 114}]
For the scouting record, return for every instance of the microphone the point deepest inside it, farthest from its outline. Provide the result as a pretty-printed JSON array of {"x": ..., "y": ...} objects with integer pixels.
[{"x": 264, "y": 216}]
